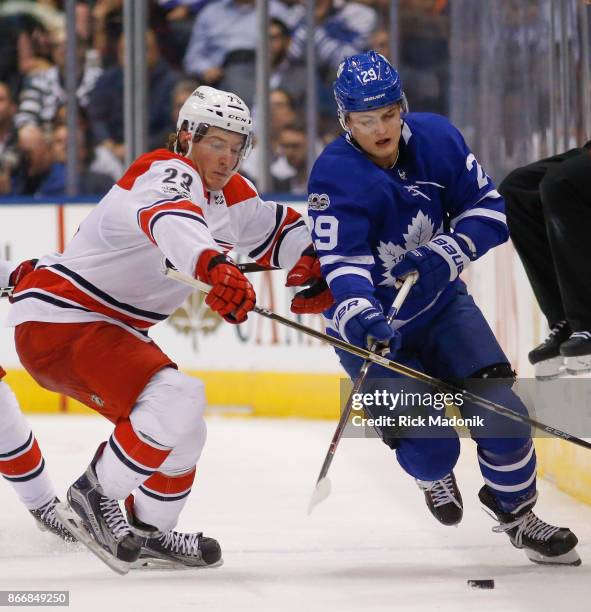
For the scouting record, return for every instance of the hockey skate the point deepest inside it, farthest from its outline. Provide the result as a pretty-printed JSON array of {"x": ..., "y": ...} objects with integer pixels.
[
  {"x": 175, "y": 549},
  {"x": 98, "y": 522},
  {"x": 48, "y": 521},
  {"x": 541, "y": 542},
  {"x": 546, "y": 357},
  {"x": 172, "y": 549},
  {"x": 443, "y": 499},
  {"x": 577, "y": 353}
]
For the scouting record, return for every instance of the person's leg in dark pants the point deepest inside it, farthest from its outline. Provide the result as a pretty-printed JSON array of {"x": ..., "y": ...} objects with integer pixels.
[
  {"x": 565, "y": 194},
  {"x": 527, "y": 227}
]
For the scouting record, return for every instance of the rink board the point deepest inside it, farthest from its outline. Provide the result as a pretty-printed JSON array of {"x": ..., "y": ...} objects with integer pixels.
[{"x": 264, "y": 369}]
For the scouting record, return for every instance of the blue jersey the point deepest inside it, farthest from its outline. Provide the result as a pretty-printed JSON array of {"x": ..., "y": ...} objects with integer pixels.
[{"x": 365, "y": 218}]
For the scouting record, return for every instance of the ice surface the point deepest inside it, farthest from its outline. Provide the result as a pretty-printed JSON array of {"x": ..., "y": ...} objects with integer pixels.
[{"x": 372, "y": 545}]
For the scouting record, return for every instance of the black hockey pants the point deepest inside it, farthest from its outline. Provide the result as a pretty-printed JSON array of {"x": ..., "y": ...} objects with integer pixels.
[{"x": 549, "y": 217}]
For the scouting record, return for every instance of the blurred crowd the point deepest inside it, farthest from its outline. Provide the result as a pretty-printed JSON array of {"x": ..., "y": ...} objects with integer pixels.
[{"x": 188, "y": 43}]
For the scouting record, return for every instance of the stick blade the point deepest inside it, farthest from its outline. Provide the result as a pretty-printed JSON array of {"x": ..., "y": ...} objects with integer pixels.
[{"x": 321, "y": 492}]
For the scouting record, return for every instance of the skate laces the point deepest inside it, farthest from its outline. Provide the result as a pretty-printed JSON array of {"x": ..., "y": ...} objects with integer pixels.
[
  {"x": 441, "y": 491},
  {"x": 584, "y": 335},
  {"x": 114, "y": 518},
  {"x": 182, "y": 543},
  {"x": 556, "y": 329},
  {"x": 528, "y": 525},
  {"x": 47, "y": 515}
]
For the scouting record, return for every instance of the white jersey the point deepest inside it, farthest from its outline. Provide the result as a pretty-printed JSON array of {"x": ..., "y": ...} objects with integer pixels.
[
  {"x": 6, "y": 267},
  {"x": 113, "y": 268}
]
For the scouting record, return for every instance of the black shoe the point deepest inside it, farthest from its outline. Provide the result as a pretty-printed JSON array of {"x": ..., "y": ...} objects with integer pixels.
[
  {"x": 577, "y": 353},
  {"x": 97, "y": 522},
  {"x": 546, "y": 357},
  {"x": 541, "y": 542},
  {"x": 48, "y": 521},
  {"x": 444, "y": 499}
]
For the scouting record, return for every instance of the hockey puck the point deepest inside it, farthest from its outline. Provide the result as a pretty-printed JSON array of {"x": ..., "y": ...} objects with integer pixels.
[{"x": 481, "y": 584}]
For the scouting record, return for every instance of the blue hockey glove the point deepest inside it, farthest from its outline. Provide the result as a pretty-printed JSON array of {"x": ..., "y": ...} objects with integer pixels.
[
  {"x": 360, "y": 321},
  {"x": 438, "y": 263}
]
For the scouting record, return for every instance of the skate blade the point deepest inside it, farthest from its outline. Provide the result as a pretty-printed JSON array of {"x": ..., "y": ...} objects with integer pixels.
[
  {"x": 549, "y": 369},
  {"x": 577, "y": 366},
  {"x": 74, "y": 525},
  {"x": 570, "y": 558},
  {"x": 156, "y": 563},
  {"x": 321, "y": 492}
]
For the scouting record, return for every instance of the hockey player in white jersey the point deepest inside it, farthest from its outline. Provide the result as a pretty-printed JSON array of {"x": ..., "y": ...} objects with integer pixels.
[
  {"x": 82, "y": 319},
  {"x": 21, "y": 461}
]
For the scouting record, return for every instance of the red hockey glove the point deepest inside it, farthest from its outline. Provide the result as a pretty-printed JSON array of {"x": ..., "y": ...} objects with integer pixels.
[
  {"x": 24, "y": 268},
  {"x": 231, "y": 296},
  {"x": 306, "y": 269},
  {"x": 313, "y": 300}
]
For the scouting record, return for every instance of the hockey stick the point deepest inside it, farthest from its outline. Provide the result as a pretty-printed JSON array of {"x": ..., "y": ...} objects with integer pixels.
[
  {"x": 6, "y": 291},
  {"x": 251, "y": 266},
  {"x": 393, "y": 365},
  {"x": 323, "y": 485}
]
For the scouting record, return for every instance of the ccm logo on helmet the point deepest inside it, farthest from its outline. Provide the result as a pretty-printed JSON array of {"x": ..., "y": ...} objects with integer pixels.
[{"x": 237, "y": 118}]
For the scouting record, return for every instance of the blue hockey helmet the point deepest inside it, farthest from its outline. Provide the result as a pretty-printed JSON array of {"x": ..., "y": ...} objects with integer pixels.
[{"x": 366, "y": 81}]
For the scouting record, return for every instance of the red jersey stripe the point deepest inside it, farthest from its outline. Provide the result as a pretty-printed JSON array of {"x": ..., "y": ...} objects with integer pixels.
[
  {"x": 161, "y": 483},
  {"x": 143, "y": 163},
  {"x": 237, "y": 190},
  {"x": 137, "y": 449},
  {"x": 60, "y": 287},
  {"x": 145, "y": 216},
  {"x": 22, "y": 464}
]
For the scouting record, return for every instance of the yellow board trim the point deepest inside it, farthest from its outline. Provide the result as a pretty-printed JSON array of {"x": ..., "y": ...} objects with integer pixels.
[
  {"x": 267, "y": 394},
  {"x": 566, "y": 465}
]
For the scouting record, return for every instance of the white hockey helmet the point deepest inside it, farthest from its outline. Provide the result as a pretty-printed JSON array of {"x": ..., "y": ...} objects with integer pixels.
[{"x": 207, "y": 107}]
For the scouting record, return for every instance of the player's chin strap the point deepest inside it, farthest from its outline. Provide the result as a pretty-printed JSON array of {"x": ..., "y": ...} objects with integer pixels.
[{"x": 389, "y": 364}]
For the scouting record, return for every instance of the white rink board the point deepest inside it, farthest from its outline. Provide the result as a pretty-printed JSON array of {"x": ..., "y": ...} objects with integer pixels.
[{"x": 497, "y": 282}]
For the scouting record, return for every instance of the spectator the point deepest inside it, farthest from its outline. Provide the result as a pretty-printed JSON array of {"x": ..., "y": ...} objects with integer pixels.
[
  {"x": 343, "y": 28},
  {"x": 9, "y": 157},
  {"x": 42, "y": 92},
  {"x": 380, "y": 41},
  {"x": 424, "y": 54},
  {"x": 32, "y": 176},
  {"x": 106, "y": 101},
  {"x": 181, "y": 91},
  {"x": 223, "y": 43},
  {"x": 283, "y": 113},
  {"x": 290, "y": 12},
  {"x": 108, "y": 25},
  {"x": 285, "y": 74},
  {"x": 89, "y": 182},
  {"x": 221, "y": 50},
  {"x": 292, "y": 144}
]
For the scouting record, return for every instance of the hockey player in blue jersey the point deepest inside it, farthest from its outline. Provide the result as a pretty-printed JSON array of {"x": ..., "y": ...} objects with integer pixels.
[{"x": 402, "y": 192}]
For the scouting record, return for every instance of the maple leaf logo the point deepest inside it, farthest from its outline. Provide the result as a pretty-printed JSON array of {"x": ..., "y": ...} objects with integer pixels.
[
  {"x": 390, "y": 254},
  {"x": 418, "y": 233}
]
